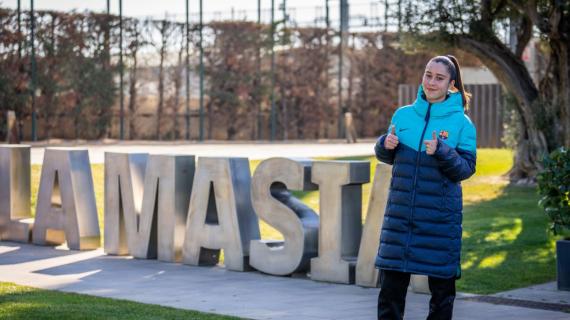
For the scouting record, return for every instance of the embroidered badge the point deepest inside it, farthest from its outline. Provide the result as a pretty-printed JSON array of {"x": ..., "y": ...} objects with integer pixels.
[{"x": 443, "y": 134}]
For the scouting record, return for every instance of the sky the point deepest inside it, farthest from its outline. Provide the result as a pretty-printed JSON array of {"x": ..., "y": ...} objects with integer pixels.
[{"x": 302, "y": 11}]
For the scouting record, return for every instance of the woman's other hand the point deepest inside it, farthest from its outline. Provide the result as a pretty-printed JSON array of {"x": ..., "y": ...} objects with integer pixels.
[
  {"x": 391, "y": 141},
  {"x": 431, "y": 145}
]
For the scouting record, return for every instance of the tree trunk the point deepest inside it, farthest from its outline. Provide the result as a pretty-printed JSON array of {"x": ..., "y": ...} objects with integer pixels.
[
  {"x": 50, "y": 94},
  {"x": 107, "y": 58},
  {"x": 132, "y": 95},
  {"x": 561, "y": 92},
  {"x": 555, "y": 85},
  {"x": 513, "y": 74},
  {"x": 210, "y": 114},
  {"x": 285, "y": 114},
  {"x": 160, "y": 98},
  {"x": 177, "y": 88},
  {"x": 160, "y": 107},
  {"x": 254, "y": 97},
  {"x": 77, "y": 114}
]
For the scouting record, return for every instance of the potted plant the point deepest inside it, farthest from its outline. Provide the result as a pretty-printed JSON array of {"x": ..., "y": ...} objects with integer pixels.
[{"x": 554, "y": 187}]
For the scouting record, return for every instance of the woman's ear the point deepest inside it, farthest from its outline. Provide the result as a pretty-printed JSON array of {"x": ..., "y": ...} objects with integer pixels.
[{"x": 452, "y": 87}]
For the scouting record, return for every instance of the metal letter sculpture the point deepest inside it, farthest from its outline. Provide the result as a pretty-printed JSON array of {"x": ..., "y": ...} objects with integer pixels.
[
  {"x": 220, "y": 214},
  {"x": 66, "y": 207},
  {"x": 146, "y": 203},
  {"x": 15, "y": 216},
  {"x": 366, "y": 272},
  {"x": 274, "y": 204},
  {"x": 340, "y": 185},
  {"x": 420, "y": 284}
]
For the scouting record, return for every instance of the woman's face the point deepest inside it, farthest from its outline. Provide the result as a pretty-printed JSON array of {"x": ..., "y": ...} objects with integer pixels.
[{"x": 436, "y": 81}]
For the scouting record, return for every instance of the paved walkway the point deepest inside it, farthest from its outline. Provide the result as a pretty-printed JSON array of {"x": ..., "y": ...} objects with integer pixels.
[
  {"x": 213, "y": 289},
  {"x": 251, "y": 150}
]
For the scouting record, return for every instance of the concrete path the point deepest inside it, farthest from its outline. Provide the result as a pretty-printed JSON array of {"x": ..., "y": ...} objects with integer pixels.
[
  {"x": 251, "y": 150},
  {"x": 244, "y": 294}
]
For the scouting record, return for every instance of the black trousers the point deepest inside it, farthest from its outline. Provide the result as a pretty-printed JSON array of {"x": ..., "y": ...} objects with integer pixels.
[{"x": 392, "y": 297}]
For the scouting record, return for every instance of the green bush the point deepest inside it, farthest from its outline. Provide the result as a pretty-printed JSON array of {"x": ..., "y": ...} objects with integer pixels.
[{"x": 554, "y": 187}]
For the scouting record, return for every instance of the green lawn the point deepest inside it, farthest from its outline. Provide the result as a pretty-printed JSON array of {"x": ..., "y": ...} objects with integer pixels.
[
  {"x": 505, "y": 240},
  {"x": 506, "y": 244},
  {"x": 19, "y": 302}
]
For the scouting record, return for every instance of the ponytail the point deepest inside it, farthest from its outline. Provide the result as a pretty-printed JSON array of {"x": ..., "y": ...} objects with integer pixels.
[
  {"x": 466, "y": 96},
  {"x": 455, "y": 72}
]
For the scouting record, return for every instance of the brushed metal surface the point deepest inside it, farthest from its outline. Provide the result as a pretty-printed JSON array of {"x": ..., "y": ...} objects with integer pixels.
[
  {"x": 340, "y": 185},
  {"x": 274, "y": 203},
  {"x": 16, "y": 220},
  {"x": 366, "y": 273},
  {"x": 220, "y": 216},
  {"x": 146, "y": 204},
  {"x": 66, "y": 209}
]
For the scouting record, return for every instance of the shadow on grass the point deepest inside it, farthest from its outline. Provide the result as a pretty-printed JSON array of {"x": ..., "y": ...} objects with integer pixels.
[{"x": 506, "y": 244}]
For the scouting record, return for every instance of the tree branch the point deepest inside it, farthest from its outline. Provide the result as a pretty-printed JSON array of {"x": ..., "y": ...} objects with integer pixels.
[
  {"x": 486, "y": 14},
  {"x": 510, "y": 71},
  {"x": 530, "y": 7},
  {"x": 524, "y": 35},
  {"x": 499, "y": 7},
  {"x": 513, "y": 74}
]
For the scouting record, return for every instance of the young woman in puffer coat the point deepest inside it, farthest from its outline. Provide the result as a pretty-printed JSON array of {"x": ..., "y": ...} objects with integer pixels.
[{"x": 432, "y": 147}]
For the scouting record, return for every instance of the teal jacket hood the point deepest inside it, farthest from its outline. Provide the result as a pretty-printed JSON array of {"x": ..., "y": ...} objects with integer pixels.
[{"x": 452, "y": 104}]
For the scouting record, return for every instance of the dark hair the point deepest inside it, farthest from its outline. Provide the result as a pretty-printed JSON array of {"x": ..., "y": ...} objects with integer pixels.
[{"x": 455, "y": 72}]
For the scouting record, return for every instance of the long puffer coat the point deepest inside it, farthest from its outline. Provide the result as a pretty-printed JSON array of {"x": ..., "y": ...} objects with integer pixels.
[{"x": 421, "y": 232}]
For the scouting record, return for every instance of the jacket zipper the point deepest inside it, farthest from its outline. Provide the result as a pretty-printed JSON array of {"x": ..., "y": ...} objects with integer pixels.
[{"x": 414, "y": 186}]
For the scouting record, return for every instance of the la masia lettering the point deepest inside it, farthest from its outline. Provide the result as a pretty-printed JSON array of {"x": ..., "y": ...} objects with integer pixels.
[{"x": 175, "y": 209}]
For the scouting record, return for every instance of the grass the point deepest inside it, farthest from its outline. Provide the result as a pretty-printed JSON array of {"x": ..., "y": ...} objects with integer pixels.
[
  {"x": 20, "y": 302},
  {"x": 506, "y": 244},
  {"x": 505, "y": 233}
]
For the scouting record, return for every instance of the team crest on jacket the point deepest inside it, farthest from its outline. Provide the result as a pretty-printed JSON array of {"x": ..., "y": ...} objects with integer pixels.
[{"x": 443, "y": 134}]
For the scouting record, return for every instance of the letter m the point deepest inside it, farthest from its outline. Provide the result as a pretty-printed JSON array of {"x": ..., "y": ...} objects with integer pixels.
[{"x": 146, "y": 204}]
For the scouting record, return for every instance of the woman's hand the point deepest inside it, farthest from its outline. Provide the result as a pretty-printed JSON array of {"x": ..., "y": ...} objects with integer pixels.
[
  {"x": 391, "y": 141},
  {"x": 431, "y": 145}
]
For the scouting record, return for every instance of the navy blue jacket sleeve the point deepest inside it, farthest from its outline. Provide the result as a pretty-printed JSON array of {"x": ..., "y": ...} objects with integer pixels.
[
  {"x": 456, "y": 164},
  {"x": 383, "y": 154}
]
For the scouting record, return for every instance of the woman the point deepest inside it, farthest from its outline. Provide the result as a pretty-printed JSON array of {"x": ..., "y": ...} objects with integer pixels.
[{"x": 432, "y": 147}]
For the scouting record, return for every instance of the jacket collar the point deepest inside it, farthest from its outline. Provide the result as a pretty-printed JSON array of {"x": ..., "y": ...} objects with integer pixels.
[{"x": 452, "y": 104}]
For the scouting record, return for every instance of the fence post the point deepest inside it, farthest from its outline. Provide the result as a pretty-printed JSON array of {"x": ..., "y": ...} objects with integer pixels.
[
  {"x": 258, "y": 75},
  {"x": 34, "y": 73},
  {"x": 187, "y": 70},
  {"x": 273, "y": 120},
  {"x": 201, "y": 76},
  {"x": 122, "y": 94},
  {"x": 343, "y": 31}
]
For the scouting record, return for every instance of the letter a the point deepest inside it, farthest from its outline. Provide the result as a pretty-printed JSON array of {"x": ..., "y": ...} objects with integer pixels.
[
  {"x": 66, "y": 208},
  {"x": 220, "y": 214}
]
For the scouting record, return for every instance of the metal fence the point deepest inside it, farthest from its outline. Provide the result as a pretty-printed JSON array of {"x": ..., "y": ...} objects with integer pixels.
[
  {"x": 142, "y": 78},
  {"x": 486, "y": 110},
  {"x": 26, "y": 30}
]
